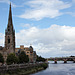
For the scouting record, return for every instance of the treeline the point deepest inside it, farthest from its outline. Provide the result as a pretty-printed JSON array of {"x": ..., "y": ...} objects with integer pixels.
[
  {"x": 20, "y": 58},
  {"x": 72, "y": 56},
  {"x": 13, "y": 59},
  {"x": 40, "y": 59}
]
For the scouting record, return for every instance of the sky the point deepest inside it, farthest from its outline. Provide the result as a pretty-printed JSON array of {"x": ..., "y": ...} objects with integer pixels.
[{"x": 47, "y": 25}]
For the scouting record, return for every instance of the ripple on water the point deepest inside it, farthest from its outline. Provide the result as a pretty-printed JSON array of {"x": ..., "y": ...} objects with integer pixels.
[{"x": 59, "y": 69}]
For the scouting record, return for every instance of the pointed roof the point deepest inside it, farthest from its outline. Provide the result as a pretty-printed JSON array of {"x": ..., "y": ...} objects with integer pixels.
[{"x": 10, "y": 18}]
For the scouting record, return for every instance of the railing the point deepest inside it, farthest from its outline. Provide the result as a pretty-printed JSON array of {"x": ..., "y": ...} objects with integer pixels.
[{"x": 61, "y": 58}]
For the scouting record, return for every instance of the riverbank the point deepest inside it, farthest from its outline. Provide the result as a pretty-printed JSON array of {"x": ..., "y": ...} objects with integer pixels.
[
  {"x": 58, "y": 69},
  {"x": 23, "y": 69}
]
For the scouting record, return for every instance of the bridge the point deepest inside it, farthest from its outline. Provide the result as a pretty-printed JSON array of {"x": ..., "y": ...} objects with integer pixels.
[{"x": 65, "y": 59}]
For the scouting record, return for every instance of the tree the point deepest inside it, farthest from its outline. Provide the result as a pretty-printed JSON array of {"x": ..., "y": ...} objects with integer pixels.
[
  {"x": 23, "y": 57},
  {"x": 1, "y": 58},
  {"x": 39, "y": 58},
  {"x": 11, "y": 58}
]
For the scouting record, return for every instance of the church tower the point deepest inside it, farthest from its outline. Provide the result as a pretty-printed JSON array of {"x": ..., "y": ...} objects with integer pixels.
[{"x": 10, "y": 35}]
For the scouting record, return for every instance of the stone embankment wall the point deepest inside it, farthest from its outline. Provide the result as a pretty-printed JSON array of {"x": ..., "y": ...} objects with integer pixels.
[{"x": 22, "y": 69}]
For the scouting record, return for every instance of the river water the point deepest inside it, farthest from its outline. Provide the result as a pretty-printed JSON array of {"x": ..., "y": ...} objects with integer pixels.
[{"x": 58, "y": 69}]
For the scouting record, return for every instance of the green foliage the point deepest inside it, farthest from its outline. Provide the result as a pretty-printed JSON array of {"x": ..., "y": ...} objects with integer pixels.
[
  {"x": 1, "y": 58},
  {"x": 39, "y": 58},
  {"x": 11, "y": 58},
  {"x": 23, "y": 58},
  {"x": 44, "y": 65},
  {"x": 28, "y": 70}
]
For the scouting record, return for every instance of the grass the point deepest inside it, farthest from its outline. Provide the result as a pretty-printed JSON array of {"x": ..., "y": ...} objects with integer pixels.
[{"x": 26, "y": 71}]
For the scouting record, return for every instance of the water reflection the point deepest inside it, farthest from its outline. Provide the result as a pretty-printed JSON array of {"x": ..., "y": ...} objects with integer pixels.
[{"x": 59, "y": 69}]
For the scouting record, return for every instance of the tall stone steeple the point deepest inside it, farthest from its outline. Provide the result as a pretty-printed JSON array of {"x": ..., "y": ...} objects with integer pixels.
[
  {"x": 10, "y": 24},
  {"x": 10, "y": 35}
]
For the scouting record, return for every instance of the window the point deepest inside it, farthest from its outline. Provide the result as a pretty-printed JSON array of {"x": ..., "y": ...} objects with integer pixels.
[
  {"x": 27, "y": 52},
  {"x": 8, "y": 29},
  {"x": 8, "y": 40}
]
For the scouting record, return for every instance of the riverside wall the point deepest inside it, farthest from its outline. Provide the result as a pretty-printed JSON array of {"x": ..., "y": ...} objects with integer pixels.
[{"x": 22, "y": 69}]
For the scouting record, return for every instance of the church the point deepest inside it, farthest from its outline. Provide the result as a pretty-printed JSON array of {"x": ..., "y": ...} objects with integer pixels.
[{"x": 9, "y": 46}]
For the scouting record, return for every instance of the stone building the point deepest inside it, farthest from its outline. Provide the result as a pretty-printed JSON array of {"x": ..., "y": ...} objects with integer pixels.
[
  {"x": 10, "y": 42},
  {"x": 10, "y": 35},
  {"x": 9, "y": 38},
  {"x": 29, "y": 51}
]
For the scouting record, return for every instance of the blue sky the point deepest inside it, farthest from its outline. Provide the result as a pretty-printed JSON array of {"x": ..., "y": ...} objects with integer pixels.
[{"x": 49, "y": 25}]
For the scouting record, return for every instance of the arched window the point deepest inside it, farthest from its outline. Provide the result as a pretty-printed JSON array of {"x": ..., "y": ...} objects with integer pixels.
[{"x": 8, "y": 40}]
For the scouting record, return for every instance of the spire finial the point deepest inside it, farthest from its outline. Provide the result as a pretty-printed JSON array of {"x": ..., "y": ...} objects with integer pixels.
[
  {"x": 10, "y": 15},
  {"x": 10, "y": 3}
]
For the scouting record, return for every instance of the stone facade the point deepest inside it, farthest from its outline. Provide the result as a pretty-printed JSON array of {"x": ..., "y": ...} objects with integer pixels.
[
  {"x": 28, "y": 51},
  {"x": 9, "y": 38},
  {"x": 10, "y": 35},
  {"x": 10, "y": 42}
]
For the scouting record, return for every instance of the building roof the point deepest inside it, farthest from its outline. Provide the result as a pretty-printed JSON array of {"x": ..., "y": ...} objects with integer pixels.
[{"x": 10, "y": 18}]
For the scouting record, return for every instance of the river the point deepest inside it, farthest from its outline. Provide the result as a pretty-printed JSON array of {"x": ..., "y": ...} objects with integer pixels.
[{"x": 58, "y": 69}]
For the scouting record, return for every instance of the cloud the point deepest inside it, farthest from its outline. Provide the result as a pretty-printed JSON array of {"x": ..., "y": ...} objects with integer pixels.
[
  {"x": 53, "y": 41},
  {"x": 48, "y": 42},
  {"x": 71, "y": 13},
  {"x": 44, "y": 9},
  {"x": 8, "y": 2},
  {"x": 73, "y": 1},
  {"x": 26, "y": 25}
]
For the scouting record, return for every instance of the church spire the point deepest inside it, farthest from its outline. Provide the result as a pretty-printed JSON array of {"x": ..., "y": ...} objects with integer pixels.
[
  {"x": 10, "y": 23},
  {"x": 10, "y": 35}
]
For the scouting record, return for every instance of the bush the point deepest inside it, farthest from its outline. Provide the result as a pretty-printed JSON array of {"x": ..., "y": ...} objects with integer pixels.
[
  {"x": 45, "y": 65},
  {"x": 39, "y": 59},
  {"x": 23, "y": 58},
  {"x": 11, "y": 58}
]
